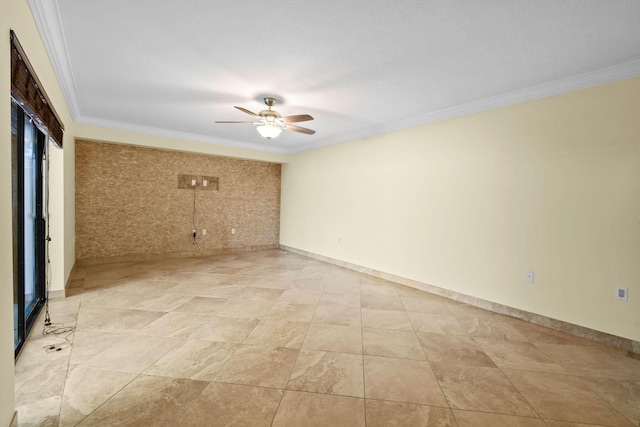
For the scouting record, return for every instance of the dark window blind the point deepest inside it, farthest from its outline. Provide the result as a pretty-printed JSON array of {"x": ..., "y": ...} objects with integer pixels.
[{"x": 26, "y": 88}]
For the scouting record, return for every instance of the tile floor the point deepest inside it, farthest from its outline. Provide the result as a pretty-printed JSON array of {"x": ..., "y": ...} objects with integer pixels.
[{"x": 273, "y": 338}]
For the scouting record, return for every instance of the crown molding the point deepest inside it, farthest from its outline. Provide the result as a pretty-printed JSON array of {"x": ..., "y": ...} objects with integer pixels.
[
  {"x": 557, "y": 87},
  {"x": 47, "y": 18},
  {"x": 148, "y": 130}
]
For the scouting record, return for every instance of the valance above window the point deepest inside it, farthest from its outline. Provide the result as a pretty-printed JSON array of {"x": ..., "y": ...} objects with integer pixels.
[{"x": 26, "y": 88}]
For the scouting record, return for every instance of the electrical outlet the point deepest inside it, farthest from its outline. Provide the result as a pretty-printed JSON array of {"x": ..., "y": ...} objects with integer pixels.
[
  {"x": 233, "y": 231},
  {"x": 339, "y": 240},
  {"x": 204, "y": 231},
  {"x": 529, "y": 276},
  {"x": 193, "y": 182},
  {"x": 205, "y": 183},
  {"x": 622, "y": 293}
]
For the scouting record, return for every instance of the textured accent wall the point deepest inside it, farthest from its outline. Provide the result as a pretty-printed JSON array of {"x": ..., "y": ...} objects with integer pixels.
[{"x": 129, "y": 206}]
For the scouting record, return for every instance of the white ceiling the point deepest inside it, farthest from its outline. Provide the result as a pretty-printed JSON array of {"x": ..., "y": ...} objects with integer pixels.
[{"x": 359, "y": 67}]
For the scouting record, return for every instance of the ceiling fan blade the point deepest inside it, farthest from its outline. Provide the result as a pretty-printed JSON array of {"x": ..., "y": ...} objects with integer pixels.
[
  {"x": 249, "y": 123},
  {"x": 298, "y": 118},
  {"x": 244, "y": 110},
  {"x": 299, "y": 129}
]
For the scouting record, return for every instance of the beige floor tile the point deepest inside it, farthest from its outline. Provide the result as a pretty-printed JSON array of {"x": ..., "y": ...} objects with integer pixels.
[
  {"x": 304, "y": 297},
  {"x": 291, "y": 312},
  {"x": 517, "y": 355},
  {"x": 275, "y": 282},
  {"x": 377, "y": 286},
  {"x": 38, "y": 382},
  {"x": 34, "y": 349},
  {"x": 490, "y": 327},
  {"x": 374, "y": 287},
  {"x": 238, "y": 307},
  {"x": 114, "y": 298},
  {"x": 380, "y": 302},
  {"x": 278, "y": 333},
  {"x": 346, "y": 286},
  {"x": 401, "y": 380},
  {"x": 318, "y": 270},
  {"x": 553, "y": 423},
  {"x": 454, "y": 349},
  {"x": 136, "y": 353},
  {"x": 564, "y": 398},
  {"x": 228, "y": 291},
  {"x": 342, "y": 339},
  {"x": 232, "y": 405},
  {"x": 261, "y": 294},
  {"x": 337, "y": 315},
  {"x": 63, "y": 306},
  {"x": 175, "y": 325},
  {"x": 225, "y": 329},
  {"x": 383, "y": 414},
  {"x": 308, "y": 285},
  {"x": 400, "y": 344},
  {"x": 194, "y": 359},
  {"x": 148, "y": 401},
  {"x": 41, "y": 413},
  {"x": 483, "y": 419},
  {"x": 343, "y": 279},
  {"x": 539, "y": 335},
  {"x": 421, "y": 304},
  {"x": 202, "y": 305},
  {"x": 436, "y": 324},
  {"x": 319, "y": 410},
  {"x": 86, "y": 344},
  {"x": 623, "y": 395},
  {"x": 226, "y": 270},
  {"x": 163, "y": 302},
  {"x": 115, "y": 319},
  {"x": 482, "y": 389},
  {"x": 88, "y": 388},
  {"x": 575, "y": 340},
  {"x": 259, "y": 366},
  {"x": 591, "y": 361},
  {"x": 194, "y": 287},
  {"x": 335, "y": 298},
  {"x": 148, "y": 287},
  {"x": 386, "y": 319},
  {"x": 328, "y": 373}
]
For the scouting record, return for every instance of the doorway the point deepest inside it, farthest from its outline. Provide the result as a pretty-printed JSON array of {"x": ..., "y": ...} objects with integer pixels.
[{"x": 28, "y": 142}]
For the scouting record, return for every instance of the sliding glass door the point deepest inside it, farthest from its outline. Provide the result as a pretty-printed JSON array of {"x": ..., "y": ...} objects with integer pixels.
[{"x": 28, "y": 146}]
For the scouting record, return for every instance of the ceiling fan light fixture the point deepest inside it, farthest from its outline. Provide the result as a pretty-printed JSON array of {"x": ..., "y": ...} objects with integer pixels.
[{"x": 269, "y": 131}]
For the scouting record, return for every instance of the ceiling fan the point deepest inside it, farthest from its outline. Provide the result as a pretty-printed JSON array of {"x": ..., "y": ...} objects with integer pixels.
[{"x": 270, "y": 123}]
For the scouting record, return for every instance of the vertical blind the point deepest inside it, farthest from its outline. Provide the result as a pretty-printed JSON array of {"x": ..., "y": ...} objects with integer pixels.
[{"x": 26, "y": 88}]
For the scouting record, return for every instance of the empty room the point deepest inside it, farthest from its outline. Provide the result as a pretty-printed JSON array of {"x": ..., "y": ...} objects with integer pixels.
[{"x": 420, "y": 213}]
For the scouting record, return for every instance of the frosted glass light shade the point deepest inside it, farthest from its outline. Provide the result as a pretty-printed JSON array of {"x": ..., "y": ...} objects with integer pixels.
[{"x": 269, "y": 131}]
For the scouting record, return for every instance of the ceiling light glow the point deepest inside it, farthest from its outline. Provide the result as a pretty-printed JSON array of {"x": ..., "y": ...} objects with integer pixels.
[{"x": 269, "y": 131}]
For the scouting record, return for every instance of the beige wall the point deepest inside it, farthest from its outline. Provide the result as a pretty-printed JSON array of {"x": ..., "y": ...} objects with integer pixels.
[
  {"x": 16, "y": 15},
  {"x": 128, "y": 203},
  {"x": 471, "y": 204}
]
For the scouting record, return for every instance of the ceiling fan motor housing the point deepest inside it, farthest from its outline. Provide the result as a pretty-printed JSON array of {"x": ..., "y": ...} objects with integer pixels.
[{"x": 270, "y": 115}]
